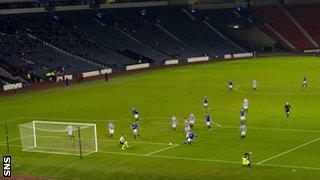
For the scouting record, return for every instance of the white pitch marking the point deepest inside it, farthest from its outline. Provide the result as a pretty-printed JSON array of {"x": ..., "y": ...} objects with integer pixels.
[
  {"x": 200, "y": 160},
  {"x": 217, "y": 124},
  {"x": 160, "y": 150},
  {"x": 110, "y": 140},
  {"x": 290, "y": 150},
  {"x": 277, "y": 129},
  {"x": 289, "y": 166},
  {"x": 14, "y": 119},
  {"x": 14, "y": 139}
]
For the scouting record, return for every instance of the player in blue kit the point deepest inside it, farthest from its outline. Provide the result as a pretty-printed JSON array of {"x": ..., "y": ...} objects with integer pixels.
[
  {"x": 206, "y": 103},
  {"x": 190, "y": 136},
  {"x": 242, "y": 116},
  {"x": 135, "y": 114},
  {"x": 304, "y": 81},
  {"x": 135, "y": 132},
  {"x": 207, "y": 118},
  {"x": 230, "y": 84}
]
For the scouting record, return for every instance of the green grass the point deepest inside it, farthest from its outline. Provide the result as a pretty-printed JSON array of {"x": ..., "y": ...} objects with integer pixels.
[{"x": 178, "y": 91}]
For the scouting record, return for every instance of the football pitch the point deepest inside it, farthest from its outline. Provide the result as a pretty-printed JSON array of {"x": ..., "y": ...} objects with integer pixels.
[{"x": 282, "y": 148}]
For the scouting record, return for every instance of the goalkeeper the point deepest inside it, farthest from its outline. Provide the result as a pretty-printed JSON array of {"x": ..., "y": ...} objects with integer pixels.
[
  {"x": 123, "y": 142},
  {"x": 246, "y": 162}
]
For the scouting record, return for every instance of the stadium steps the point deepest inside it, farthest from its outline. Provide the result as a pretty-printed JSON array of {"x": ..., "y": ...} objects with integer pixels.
[
  {"x": 299, "y": 26},
  {"x": 188, "y": 14},
  {"x": 223, "y": 36},
  {"x": 275, "y": 17},
  {"x": 5, "y": 73},
  {"x": 65, "y": 52},
  {"x": 7, "y": 70},
  {"x": 178, "y": 39},
  {"x": 8, "y": 80},
  {"x": 308, "y": 17},
  {"x": 272, "y": 33},
  {"x": 266, "y": 28},
  {"x": 142, "y": 42}
]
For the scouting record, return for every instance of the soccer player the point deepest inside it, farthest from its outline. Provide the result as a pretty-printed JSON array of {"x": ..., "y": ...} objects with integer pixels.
[
  {"x": 191, "y": 119},
  {"x": 123, "y": 142},
  {"x": 287, "y": 109},
  {"x": 230, "y": 83},
  {"x": 243, "y": 130},
  {"x": 174, "y": 123},
  {"x": 190, "y": 137},
  {"x": 135, "y": 114},
  {"x": 206, "y": 103},
  {"x": 245, "y": 104},
  {"x": 208, "y": 121},
  {"x": 135, "y": 127},
  {"x": 242, "y": 116},
  {"x": 66, "y": 81},
  {"x": 70, "y": 131},
  {"x": 304, "y": 82},
  {"x": 254, "y": 85},
  {"x": 111, "y": 129},
  {"x": 246, "y": 162},
  {"x": 106, "y": 76},
  {"x": 186, "y": 126}
]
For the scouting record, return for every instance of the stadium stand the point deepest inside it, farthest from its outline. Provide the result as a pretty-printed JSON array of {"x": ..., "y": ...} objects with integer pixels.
[
  {"x": 274, "y": 36},
  {"x": 308, "y": 16},
  {"x": 140, "y": 24},
  {"x": 61, "y": 33},
  {"x": 87, "y": 40},
  {"x": 115, "y": 37},
  {"x": 229, "y": 21},
  {"x": 193, "y": 31},
  {"x": 281, "y": 23},
  {"x": 227, "y": 18},
  {"x": 5, "y": 80},
  {"x": 20, "y": 50}
]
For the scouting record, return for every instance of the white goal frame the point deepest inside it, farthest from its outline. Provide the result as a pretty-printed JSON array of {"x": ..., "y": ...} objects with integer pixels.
[{"x": 60, "y": 123}]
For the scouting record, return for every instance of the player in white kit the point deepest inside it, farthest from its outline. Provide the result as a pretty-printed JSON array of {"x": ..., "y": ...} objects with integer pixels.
[
  {"x": 243, "y": 131},
  {"x": 254, "y": 85},
  {"x": 70, "y": 131},
  {"x": 191, "y": 119},
  {"x": 245, "y": 104},
  {"x": 111, "y": 128},
  {"x": 174, "y": 123}
]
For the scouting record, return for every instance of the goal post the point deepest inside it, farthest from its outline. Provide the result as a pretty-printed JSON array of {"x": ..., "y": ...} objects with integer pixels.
[{"x": 59, "y": 137}]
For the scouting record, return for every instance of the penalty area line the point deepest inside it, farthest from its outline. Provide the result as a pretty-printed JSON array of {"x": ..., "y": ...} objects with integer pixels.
[{"x": 288, "y": 151}]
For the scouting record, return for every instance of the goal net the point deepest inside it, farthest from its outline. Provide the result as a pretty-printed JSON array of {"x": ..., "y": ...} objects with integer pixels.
[{"x": 59, "y": 137}]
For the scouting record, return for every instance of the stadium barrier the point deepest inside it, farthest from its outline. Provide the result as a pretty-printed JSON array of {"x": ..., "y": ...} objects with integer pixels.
[
  {"x": 72, "y": 8},
  {"x": 242, "y": 55},
  {"x": 60, "y": 78},
  {"x": 22, "y": 10},
  {"x": 312, "y": 51},
  {"x": 137, "y": 66},
  {"x": 171, "y": 62},
  {"x": 12, "y": 86},
  {"x": 227, "y": 56},
  {"x": 198, "y": 59},
  {"x": 134, "y": 4},
  {"x": 97, "y": 73}
]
